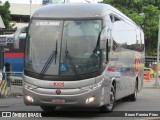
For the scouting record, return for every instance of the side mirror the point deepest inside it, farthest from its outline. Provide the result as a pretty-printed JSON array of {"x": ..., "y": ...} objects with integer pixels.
[
  {"x": 103, "y": 37},
  {"x": 16, "y": 36}
]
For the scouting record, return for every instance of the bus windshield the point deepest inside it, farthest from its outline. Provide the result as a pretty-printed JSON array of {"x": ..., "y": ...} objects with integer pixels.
[
  {"x": 75, "y": 42},
  {"x": 78, "y": 43}
]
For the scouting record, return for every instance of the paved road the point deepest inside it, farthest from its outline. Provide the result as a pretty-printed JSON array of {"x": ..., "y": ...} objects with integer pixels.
[{"x": 148, "y": 101}]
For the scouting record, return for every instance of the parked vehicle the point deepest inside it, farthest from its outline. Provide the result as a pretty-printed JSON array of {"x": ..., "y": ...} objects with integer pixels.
[
  {"x": 152, "y": 72},
  {"x": 13, "y": 56}
]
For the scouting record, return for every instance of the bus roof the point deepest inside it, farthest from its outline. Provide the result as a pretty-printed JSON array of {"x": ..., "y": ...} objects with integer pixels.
[
  {"x": 79, "y": 10},
  {"x": 75, "y": 10}
]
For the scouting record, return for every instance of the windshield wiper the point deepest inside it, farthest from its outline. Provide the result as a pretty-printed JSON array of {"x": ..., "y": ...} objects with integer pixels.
[
  {"x": 71, "y": 62},
  {"x": 52, "y": 57},
  {"x": 91, "y": 64},
  {"x": 95, "y": 55}
]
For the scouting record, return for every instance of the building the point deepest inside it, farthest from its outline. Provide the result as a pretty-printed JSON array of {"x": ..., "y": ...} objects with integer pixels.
[
  {"x": 22, "y": 10},
  {"x": 1, "y": 23},
  {"x": 21, "y": 13}
]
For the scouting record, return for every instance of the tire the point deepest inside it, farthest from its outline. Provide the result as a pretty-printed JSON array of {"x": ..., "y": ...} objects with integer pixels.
[
  {"x": 109, "y": 107},
  {"x": 47, "y": 108},
  {"x": 133, "y": 97},
  {"x": 126, "y": 98}
]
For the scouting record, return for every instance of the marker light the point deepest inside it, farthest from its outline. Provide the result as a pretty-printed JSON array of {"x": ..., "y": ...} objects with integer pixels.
[
  {"x": 90, "y": 99},
  {"x": 29, "y": 86},
  {"x": 29, "y": 98}
]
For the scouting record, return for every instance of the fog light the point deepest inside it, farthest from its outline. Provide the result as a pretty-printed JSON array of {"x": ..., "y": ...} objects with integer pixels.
[
  {"x": 29, "y": 98},
  {"x": 90, "y": 99}
]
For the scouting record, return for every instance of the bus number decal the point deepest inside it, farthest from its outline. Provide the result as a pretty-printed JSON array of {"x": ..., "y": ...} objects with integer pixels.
[{"x": 58, "y": 84}]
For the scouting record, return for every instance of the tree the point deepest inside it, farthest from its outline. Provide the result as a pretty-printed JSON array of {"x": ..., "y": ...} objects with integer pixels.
[
  {"x": 5, "y": 14},
  {"x": 151, "y": 27},
  {"x": 148, "y": 20}
]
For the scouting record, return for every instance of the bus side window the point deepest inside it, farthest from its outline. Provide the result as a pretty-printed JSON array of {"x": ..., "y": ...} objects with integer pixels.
[
  {"x": 114, "y": 18},
  {"x": 107, "y": 50}
]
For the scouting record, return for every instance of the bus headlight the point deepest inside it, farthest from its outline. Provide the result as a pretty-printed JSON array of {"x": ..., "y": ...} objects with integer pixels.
[
  {"x": 90, "y": 99},
  {"x": 29, "y": 86},
  {"x": 29, "y": 98}
]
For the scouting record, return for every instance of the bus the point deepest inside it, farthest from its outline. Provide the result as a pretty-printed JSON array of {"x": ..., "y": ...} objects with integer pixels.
[
  {"x": 81, "y": 55},
  {"x": 11, "y": 55}
]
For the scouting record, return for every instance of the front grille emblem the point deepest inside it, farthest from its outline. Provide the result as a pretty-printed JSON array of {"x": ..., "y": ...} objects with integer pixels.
[{"x": 58, "y": 92}]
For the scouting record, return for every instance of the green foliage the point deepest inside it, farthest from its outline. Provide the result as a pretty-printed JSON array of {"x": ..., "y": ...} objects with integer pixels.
[
  {"x": 146, "y": 14},
  {"x": 5, "y": 14}
]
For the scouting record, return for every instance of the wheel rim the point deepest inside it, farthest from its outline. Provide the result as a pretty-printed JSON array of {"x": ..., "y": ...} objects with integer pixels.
[
  {"x": 112, "y": 99},
  {"x": 135, "y": 92}
]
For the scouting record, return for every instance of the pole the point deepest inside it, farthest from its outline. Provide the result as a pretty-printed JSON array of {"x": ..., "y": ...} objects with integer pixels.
[
  {"x": 157, "y": 71},
  {"x": 30, "y": 8}
]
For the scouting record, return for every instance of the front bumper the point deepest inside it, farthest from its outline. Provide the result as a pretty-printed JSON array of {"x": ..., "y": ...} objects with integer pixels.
[{"x": 44, "y": 97}]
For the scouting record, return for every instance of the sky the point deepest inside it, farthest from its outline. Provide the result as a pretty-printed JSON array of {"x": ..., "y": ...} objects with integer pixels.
[
  {"x": 23, "y": 1},
  {"x": 38, "y": 1}
]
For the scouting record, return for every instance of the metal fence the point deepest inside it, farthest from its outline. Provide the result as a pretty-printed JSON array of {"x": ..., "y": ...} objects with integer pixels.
[
  {"x": 11, "y": 84},
  {"x": 17, "y": 79}
]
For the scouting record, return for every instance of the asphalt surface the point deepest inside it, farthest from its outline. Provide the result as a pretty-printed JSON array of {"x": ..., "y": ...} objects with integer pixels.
[
  {"x": 148, "y": 100},
  {"x": 14, "y": 99}
]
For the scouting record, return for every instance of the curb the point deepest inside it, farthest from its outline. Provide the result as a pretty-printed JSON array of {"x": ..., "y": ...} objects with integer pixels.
[
  {"x": 16, "y": 94},
  {"x": 151, "y": 87}
]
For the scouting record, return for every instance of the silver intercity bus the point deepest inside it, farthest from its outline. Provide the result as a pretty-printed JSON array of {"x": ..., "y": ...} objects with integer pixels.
[{"x": 81, "y": 55}]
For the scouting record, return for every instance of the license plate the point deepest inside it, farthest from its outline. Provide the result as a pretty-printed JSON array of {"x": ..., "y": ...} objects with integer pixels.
[{"x": 58, "y": 100}]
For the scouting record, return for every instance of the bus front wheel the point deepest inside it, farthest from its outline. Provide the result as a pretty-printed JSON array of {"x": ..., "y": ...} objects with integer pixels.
[{"x": 109, "y": 107}]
